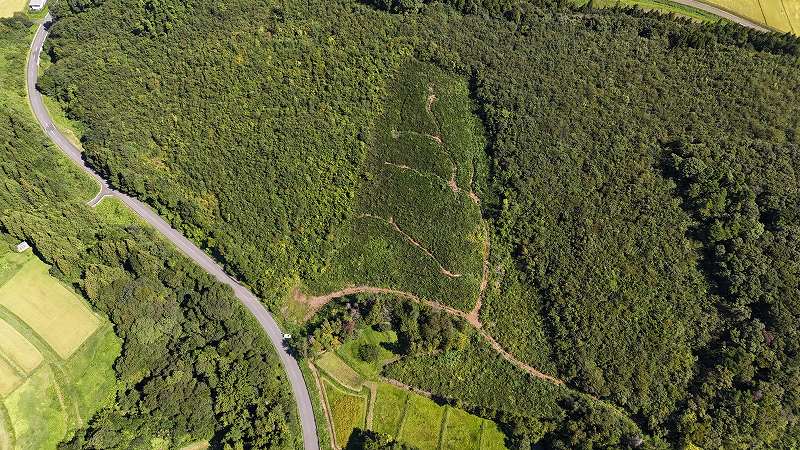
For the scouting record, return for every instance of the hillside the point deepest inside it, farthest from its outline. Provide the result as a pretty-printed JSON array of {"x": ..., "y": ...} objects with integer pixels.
[
  {"x": 608, "y": 199},
  {"x": 193, "y": 364}
]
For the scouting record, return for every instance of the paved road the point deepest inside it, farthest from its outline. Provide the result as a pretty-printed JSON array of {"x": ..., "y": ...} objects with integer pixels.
[
  {"x": 247, "y": 298},
  {"x": 722, "y": 13}
]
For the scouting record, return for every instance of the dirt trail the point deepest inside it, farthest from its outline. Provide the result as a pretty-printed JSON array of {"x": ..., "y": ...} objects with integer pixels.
[
  {"x": 474, "y": 316},
  {"x": 407, "y": 387},
  {"x": 315, "y": 303},
  {"x": 390, "y": 221},
  {"x": 324, "y": 402}
]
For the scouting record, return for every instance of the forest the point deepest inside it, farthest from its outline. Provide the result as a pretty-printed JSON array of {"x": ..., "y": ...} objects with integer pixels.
[
  {"x": 637, "y": 178},
  {"x": 195, "y": 366}
]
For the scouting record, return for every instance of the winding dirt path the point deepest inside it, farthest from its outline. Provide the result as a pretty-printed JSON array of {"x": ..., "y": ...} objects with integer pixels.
[
  {"x": 390, "y": 221},
  {"x": 315, "y": 303}
]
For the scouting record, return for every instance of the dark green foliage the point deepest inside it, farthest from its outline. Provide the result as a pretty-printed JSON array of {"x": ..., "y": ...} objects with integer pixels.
[
  {"x": 668, "y": 289},
  {"x": 751, "y": 245},
  {"x": 194, "y": 364},
  {"x": 372, "y": 440},
  {"x": 368, "y": 352}
]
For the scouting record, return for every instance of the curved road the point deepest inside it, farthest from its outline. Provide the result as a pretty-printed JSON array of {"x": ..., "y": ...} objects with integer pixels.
[
  {"x": 722, "y": 13},
  {"x": 250, "y": 301}
]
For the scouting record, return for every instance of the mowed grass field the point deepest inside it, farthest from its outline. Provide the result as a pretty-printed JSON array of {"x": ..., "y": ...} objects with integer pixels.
[
  {"x": 9, "y": 7},
  {"x": 357, "y": 397},
  {"x": 56, "y": 356},
  {"x": 54, "y": 312},
  {"x": 780, "y": 15}
]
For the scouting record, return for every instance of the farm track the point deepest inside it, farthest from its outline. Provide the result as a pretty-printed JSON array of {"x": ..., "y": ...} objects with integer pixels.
[{"x": 315, "y": 303}]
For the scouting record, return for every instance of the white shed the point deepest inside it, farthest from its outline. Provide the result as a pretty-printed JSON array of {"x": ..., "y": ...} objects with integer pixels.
[
  {"x": 22, "y": 246},
  {"x": 36, "y": 5}
]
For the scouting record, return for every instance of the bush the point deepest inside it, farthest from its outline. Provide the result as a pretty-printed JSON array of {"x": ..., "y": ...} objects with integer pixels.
[{"x": 368, "y": 352}]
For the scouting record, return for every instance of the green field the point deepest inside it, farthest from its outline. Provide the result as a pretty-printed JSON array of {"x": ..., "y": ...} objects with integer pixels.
[
  {"x": 54, "y": 312},
  {"x": 348, "y": 410},
  {"x": 55, "y": 356},
  {"x": 411, "y": 418},
  {"x": 9, "y": 7},
  {"x": 349, "y": 351}
]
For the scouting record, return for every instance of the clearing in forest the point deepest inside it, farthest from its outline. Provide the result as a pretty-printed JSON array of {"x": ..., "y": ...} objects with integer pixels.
[
  {"x": 9, "y": 7},
  {"x": 56, "y": 356},
  {"x": 418, "y": 225},
  {"x": 356, "y": 396},
  {"x": 53, "y": 311}
]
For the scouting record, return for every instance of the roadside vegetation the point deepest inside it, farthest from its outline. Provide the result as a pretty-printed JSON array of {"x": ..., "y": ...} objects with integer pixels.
[
  {"x": 624, "y": 274},
  {"x": 189, "y": 363}
]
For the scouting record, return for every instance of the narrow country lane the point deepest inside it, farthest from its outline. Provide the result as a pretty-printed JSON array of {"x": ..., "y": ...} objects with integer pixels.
[
  {"x": 250, "y": 301},
  {"x": 722, "y": 13}
]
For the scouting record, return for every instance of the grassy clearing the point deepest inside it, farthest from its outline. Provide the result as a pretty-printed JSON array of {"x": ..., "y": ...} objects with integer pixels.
[
  {"x": 52, "y": 378},
  {"x": 52, "y": 310},
  {"x": 389, "y": 407},
  {"x": 9, "y": 378},
  {"x": 417, "y": 224},
  {"x": 349, "y": 411},
  {"x": 463, "y": 430},
  {"x": 17, "y": 349},
  {"x": 88, "y": 377},
  {"x": 422, "y": 422},
  {"x": 71, "y": 129},
  {"x": 412, "y": 418},
  {"x": 335, "y": 367},
  {"x": 37, "y": 415},
  {"x": 491, "y": 437},
  {"x": 114, "y": 212},
  {"x": 349, "y": 352},
  {"x": 664, "y": 6},
  {"x": 9, "y": 7},
  {"x": 11, "y": 263}
]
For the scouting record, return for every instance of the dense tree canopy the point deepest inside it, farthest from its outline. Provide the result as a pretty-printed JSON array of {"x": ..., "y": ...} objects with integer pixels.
[
  {"x": 641, "y": 196},
  {"x": 194, "y": 365}
]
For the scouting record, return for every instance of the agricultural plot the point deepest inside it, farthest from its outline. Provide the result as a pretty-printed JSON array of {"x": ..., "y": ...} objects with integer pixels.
[
  {"x": 356, "y": 397},
  {"x": 56, "y": 356},
  {"x": 348, "y": 410},
  {"x": 418, "y": 225},
  {"x": 49, "y": 308},
  {"x": 663, "y": 6},
  {"x": 9, "y": 7},
  {"x": 348, "y": 351}
]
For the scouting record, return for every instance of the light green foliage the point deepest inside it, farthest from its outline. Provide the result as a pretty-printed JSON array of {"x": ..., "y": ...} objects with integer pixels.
[
  {"x": 422, "y": 422},
  {"x": 416, "y": 227},
  {"x": 390, "y": 407},
  {"x": 349, "y": 351},
  {"x": 335, "y": 367}
]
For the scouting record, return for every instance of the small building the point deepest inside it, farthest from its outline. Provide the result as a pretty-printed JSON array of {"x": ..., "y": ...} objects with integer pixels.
[
  {"x": 37, "y": 5},
  {"x": 22, "y": 246}
]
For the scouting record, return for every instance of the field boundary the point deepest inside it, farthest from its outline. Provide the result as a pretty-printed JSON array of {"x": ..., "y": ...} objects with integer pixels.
[
  {"x": 788, "y": 17},
  {"x": 7, "y": 434},
  {"x": 443, "y": 426}
]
